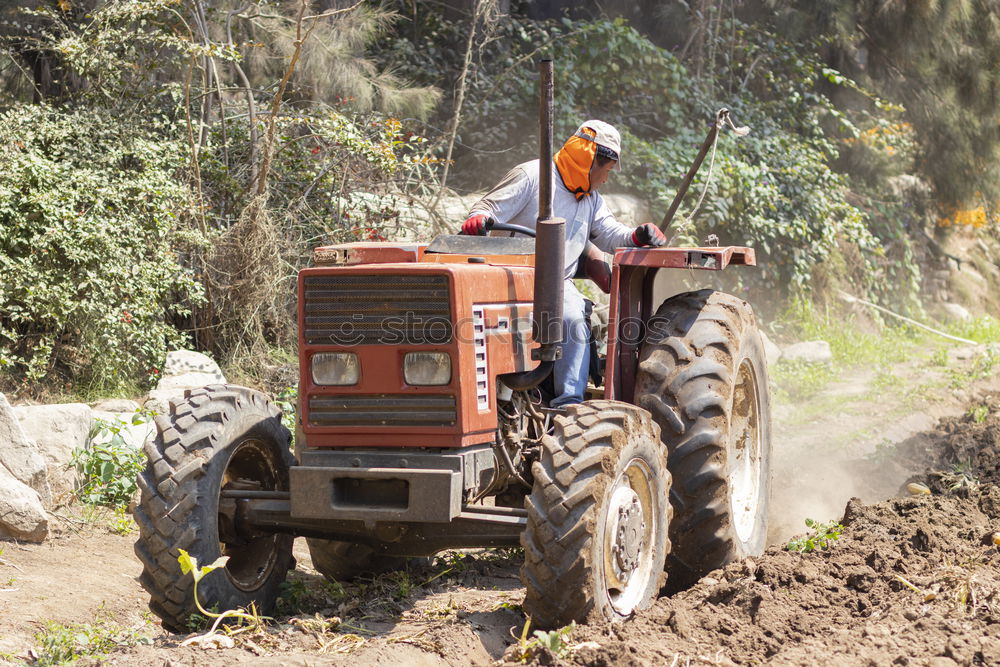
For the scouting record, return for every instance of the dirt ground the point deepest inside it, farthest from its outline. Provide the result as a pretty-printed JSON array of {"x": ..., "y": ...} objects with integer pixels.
[{"x": 913, "y": 579}]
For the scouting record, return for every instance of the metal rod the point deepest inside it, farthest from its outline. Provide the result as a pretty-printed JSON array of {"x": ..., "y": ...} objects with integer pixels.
[
  {"x": 506, "y": 511},
  {"x": 545, "y": 90},
  {"x": 247, "y": 494},
  {"x": 720, "y": 118}
]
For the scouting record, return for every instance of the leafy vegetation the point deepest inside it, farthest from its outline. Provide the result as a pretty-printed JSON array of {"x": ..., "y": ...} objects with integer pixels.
[
  {"x": 821, "y": 537},
  {"x": 110, "y": 464},
  {"x": 60, "y": 644},
  {"x": 555, "y": 643},
  {"x": 87, "y": 247},
  {"x": 979, "y": 413},
  {"x": 173, "y": 162}
]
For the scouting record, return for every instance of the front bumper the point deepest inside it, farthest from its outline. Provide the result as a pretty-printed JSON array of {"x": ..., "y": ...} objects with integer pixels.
[{"x": 399, "y": 485}]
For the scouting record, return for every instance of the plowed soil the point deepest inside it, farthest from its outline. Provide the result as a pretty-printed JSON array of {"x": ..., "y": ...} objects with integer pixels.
[{"x": 912, "y": 580}]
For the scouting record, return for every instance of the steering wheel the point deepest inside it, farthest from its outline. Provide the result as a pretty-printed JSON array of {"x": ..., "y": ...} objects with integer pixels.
[
  {"x": 504, "y": 227},
  {"x": 491, "y": 225}
]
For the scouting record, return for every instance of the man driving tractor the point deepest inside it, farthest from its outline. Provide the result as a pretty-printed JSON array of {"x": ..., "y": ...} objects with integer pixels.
[{"x": 583, "y": 164}]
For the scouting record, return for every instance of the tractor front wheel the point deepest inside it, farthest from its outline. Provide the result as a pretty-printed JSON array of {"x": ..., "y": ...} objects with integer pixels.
[
  {"x": 220, "y": 437},
  {"x": 598, "y": 517}
]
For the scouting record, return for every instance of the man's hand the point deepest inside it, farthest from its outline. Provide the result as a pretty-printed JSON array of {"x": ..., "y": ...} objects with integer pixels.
[
  {"x": 648, "y": 235},
  {"x": 475, "y": 225}
]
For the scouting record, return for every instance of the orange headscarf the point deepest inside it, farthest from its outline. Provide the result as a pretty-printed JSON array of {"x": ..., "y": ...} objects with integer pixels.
[{"x": 574, "y": 161}]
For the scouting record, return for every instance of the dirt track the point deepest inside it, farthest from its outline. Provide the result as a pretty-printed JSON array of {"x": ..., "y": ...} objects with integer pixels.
[{"x": 853, "y": 604}]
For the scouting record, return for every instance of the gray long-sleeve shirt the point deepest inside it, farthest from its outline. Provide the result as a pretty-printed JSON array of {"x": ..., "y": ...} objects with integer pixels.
[{"x": 515, "y": 201}]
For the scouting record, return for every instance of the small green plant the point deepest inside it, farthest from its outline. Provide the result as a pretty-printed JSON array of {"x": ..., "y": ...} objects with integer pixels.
[
  {"x": 939, "y": 357},
  {"x": 109, "y": 465},
  {"x": 884, "y": 451},
  {"x": 287, "y": 401},
  {"x": 292, "y": 594},
  {"x": 334, "y": 590},
  {"x": 555, "y": 641},
  {"x": 117, "y": 520},
  {"x": 822, "y": 537},
  {"x": 796, "y": 381},
  {"x": 60, "y": 644},
  {"x": 983, "y": 329},
  {"x": 979, "y": 413},
  {"x": 982, "y": 367},
  {"x": 251, "y": 619},
  {"x": 884, "y": 381},
  {"x": 961, "y": 478}
]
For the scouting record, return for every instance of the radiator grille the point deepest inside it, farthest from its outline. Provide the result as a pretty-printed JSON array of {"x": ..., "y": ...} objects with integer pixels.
[
  {"x": 377, "y": 310},
  {"x": 382, "y": 410}
]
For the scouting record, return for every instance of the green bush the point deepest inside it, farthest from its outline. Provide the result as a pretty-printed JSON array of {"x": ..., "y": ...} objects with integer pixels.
[
  {"x": 109, "y": 464},
  {"x": 91, "y": 277},
  {"x": 774, "y": 190}
]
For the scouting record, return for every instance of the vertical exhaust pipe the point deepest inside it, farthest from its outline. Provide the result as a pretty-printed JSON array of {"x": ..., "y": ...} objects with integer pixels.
[
  {"x": 550, "y": 234},
  {"x": 550, "y": 244}
]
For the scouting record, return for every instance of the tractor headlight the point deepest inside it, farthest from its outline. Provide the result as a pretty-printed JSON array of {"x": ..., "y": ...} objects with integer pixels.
[
  {"x": 427, "y": 368},
  {"x": 336, "y": 368}
]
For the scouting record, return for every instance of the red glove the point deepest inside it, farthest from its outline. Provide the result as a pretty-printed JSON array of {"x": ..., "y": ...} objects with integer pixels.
[
  {"x": 475, "y": 225},
  {"x": 648, "y": 235}
]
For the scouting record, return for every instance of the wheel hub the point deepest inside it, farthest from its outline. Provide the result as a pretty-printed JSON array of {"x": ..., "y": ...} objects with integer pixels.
[{"x": 629, "y": 531}]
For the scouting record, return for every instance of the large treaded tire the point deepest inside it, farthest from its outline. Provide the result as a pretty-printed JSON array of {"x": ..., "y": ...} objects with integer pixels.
[
  {"x": 702, "y": 371},
  {"x": 216, "y": 436},
  {"x": 343, "y": 561},
  {"x": 569, "y": 543}
]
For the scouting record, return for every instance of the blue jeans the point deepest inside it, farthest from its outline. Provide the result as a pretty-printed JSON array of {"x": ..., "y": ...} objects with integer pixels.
[{"x": 571, "y": 371}]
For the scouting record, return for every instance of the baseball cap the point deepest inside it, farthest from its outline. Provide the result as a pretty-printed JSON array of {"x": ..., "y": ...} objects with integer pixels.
[{"x": 604, "y": 134}]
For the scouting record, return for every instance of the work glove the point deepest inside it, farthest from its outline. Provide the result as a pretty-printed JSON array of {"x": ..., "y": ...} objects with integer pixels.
[
  {"x": 475, "y": 225},
  {"x": 648, "y": 235}
]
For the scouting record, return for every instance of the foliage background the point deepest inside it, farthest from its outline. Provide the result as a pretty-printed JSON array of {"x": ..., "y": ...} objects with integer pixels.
[{"x": 169, "y": 164}]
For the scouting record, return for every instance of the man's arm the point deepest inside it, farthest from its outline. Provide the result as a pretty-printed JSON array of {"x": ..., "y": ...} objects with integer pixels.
[
  {"x": 607, "y": 233},
  {"x": 507, "y": 198}
]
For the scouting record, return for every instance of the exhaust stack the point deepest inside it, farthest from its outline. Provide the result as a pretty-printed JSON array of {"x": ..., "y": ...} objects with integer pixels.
[
  {"x": 550, "y": 234},
  {"x": 550, "y": 244}
]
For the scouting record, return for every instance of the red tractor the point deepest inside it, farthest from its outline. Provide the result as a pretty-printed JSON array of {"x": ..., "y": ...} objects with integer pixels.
[{"x": 422, "y": 427}]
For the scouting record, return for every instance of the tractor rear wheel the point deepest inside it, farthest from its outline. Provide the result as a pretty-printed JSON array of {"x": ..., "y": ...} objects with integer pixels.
[
  {"x": 598, "y": 517},
  {"x": 703, "y": 377},
  {"x": 343, "y": 561},
  {"x": 219, "y": 437}
]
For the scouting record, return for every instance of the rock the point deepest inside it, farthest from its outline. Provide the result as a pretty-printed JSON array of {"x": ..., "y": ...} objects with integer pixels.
[
  {"x": 57, "y": 430},
  {"x": 22, "y": 516},
  {"x": 158, "y": 401},
  {"x": 771, "y": 351},
  {"x": 963, "y": 353},
  {"x": 189, "y": 380},
  {"x": 20, "y": 456},
  {"x": 116, "y": 405},
  {"x": 181, "y": 362},
  {"x": 955, "y": 313},
  {"x": 811, "y": 352},
  {"x": 183, "y": 370},
  {"x": 908, "y": 186}
]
